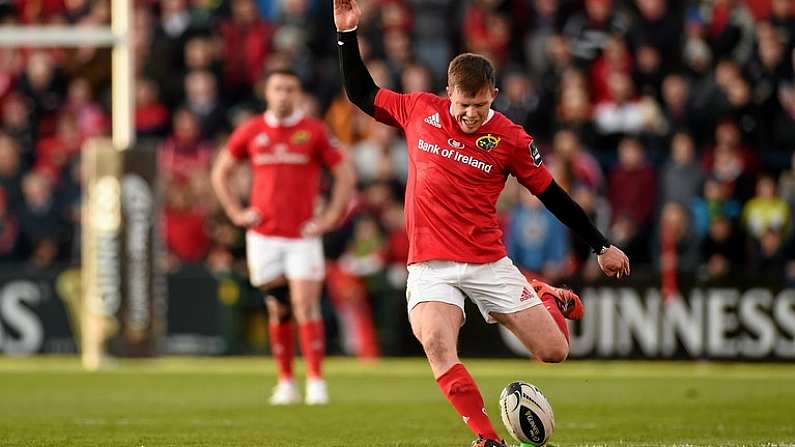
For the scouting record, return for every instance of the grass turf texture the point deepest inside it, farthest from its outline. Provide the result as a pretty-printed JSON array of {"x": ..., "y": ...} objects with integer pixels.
[{"x": 222, "y": 402}]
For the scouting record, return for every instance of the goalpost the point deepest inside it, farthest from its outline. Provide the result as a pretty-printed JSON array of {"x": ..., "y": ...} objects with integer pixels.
[
  {"x": 117, "y": 199},
  {"x": 118, "y": 36}
]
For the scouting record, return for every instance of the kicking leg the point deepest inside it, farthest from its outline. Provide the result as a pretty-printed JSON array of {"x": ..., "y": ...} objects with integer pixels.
[{"x": 538, "y": 331}]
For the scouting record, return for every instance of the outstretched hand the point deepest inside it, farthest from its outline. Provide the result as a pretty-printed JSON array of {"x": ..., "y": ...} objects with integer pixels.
[
  {"x": 614, "y": 262},
  {"x": 346, "y": 14}
]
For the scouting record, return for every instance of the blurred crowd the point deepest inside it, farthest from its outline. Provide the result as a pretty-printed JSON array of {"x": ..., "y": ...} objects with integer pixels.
[{"x": 672, "y": 122}]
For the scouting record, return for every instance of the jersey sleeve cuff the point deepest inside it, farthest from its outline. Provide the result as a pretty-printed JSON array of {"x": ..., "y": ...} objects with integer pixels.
[{"x": 347, "y": 37}]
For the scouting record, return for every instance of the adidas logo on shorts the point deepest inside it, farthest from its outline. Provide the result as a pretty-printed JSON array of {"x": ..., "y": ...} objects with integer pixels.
[{"x": 433, "y": 120}]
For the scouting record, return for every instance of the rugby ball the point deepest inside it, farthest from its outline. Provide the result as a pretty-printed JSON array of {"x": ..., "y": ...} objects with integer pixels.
[{"x": 526, "y": 413}]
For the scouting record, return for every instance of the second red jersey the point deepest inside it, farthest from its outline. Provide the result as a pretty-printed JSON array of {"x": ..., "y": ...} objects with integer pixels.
[
  {"x": 286, "y": 160},
  {"x": 455, "y": 178}
]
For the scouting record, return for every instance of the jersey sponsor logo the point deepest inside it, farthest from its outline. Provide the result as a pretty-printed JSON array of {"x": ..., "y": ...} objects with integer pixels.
[
  {"x": 261, "y": 139},
  {"x": 455, "y": 143},
  {"x": 535, "y": 154},
  {"x": 280, "y": 155},
  {"x": 454, "y": 155},
  {"x": 487, "y": 142},
  {"x": 434, "y": 121},
  {"x": 300, "y": 137}
]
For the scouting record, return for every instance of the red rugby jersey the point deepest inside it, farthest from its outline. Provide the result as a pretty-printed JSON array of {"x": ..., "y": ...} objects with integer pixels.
[
  {"x": 286, "y": 160},
  {"x": 455, "y": 178}
]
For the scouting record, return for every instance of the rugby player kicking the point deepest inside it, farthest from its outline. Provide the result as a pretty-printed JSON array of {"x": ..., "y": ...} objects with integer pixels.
[{"x": 460, "y": 155}]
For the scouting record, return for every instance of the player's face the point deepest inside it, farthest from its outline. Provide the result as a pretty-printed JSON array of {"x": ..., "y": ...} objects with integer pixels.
[
  {"x": 470, "y": 111},
  {"x": 282, "y": 93}
]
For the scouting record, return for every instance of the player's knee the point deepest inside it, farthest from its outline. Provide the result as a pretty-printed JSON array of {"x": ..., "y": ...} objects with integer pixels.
[
  {"x": 437, "y": 348},
  {"x": 554, "y": 353},
  {"x": 306, "y": 310},
  {"x": 277, "y": 312}
]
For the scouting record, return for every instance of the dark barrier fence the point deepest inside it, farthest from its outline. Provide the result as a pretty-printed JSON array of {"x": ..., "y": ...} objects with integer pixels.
[{"x": 220, "y": 314}]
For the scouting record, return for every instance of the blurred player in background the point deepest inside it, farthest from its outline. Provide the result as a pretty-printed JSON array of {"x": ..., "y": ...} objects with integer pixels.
[
  {"x": 287, "y": 152},
  {"x": 460, "y": 155}
]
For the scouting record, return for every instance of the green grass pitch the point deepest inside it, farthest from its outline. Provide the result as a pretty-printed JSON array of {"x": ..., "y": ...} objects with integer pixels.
[{"x": 222, "y": 402}]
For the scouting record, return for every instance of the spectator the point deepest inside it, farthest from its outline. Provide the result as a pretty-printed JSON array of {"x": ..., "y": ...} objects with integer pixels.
[
  {"x": 518, "y": 100},
  {"x": 723, "y": 251},
  {"x": 9, "y": 231},
  {"x": 90, "y": 118},
  {"x": 185, "y": 225},
  {"x": 416, "y": 78},
  {"x": 588, "y": 32},
  {"x": 19, "y": 124},
  {"x": 731, "y": 162},
  {"x": 681, "y": 178},
  {"x": 486, "y": 31},
  {"x": 166, "y": 53},
  {"x": 766, "y": 212},
  {"x": 783, "y": 20},
  {"x": 658, "y": 31},
  {"x": 574, "y": 113},
  {"x": 624, "y": 114},
  {"x": 572, "y": 157},
  {"x": 201, "y": 98},
  {"x": 676, "y": 106},
  {"x": 636, "y": 202},
  {"x": 786, "y": 184},
  {"x": 546, "y": 21},
  {"x": 785, "y": 121},
  {"x": 767, "y": 69},
  {"x": 614, "y": 59},
  {"x": 399, "y": 54},
  {"x": 201, "y": 55},
  {"x": 41, "y": 227},
  {"x": 55, "y": 152},
  {"x": 246, "y": 41},
  {"x": 43, "y": 86},
  {"x": 716, "y": 202},
  {"x": 11, "y": 171},
  {"x": 185, "y": 150},
  {"x": 678, "y": 246},
  {"x": 151, "y": 116},
  {"x": 536, "y": 240},
  {"x": 728, "y": 28},
  {"x": 433, "y": 34},
  {"x": 770, "y": 257}
]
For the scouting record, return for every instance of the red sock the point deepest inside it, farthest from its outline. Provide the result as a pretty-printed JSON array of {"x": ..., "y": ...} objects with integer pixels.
[
  {"x": 552, "y": 307},
  {"x": 283, "y": 348},
  {"x": 313, "y": 346},
  {"x": 463, "y": 393}
]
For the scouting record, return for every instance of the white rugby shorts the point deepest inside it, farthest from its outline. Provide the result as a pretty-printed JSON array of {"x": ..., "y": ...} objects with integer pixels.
[
  {"x": 270, "y": 257},
  {"x": 494, "y": 287}
]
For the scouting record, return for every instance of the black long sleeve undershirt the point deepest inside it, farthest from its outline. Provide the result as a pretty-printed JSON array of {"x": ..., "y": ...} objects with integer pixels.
[
  {"x": 572, "y": 215},
  {"x": 359, "y": 85}
]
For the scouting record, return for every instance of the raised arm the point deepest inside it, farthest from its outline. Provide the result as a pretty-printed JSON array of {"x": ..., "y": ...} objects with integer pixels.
[{"x": 359, "y": 85}]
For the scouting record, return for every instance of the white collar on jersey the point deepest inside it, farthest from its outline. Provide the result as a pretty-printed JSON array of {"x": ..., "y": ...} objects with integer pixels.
[
  {"x": 272, "y": 121},
  {"x": 488, "y": 118}
]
